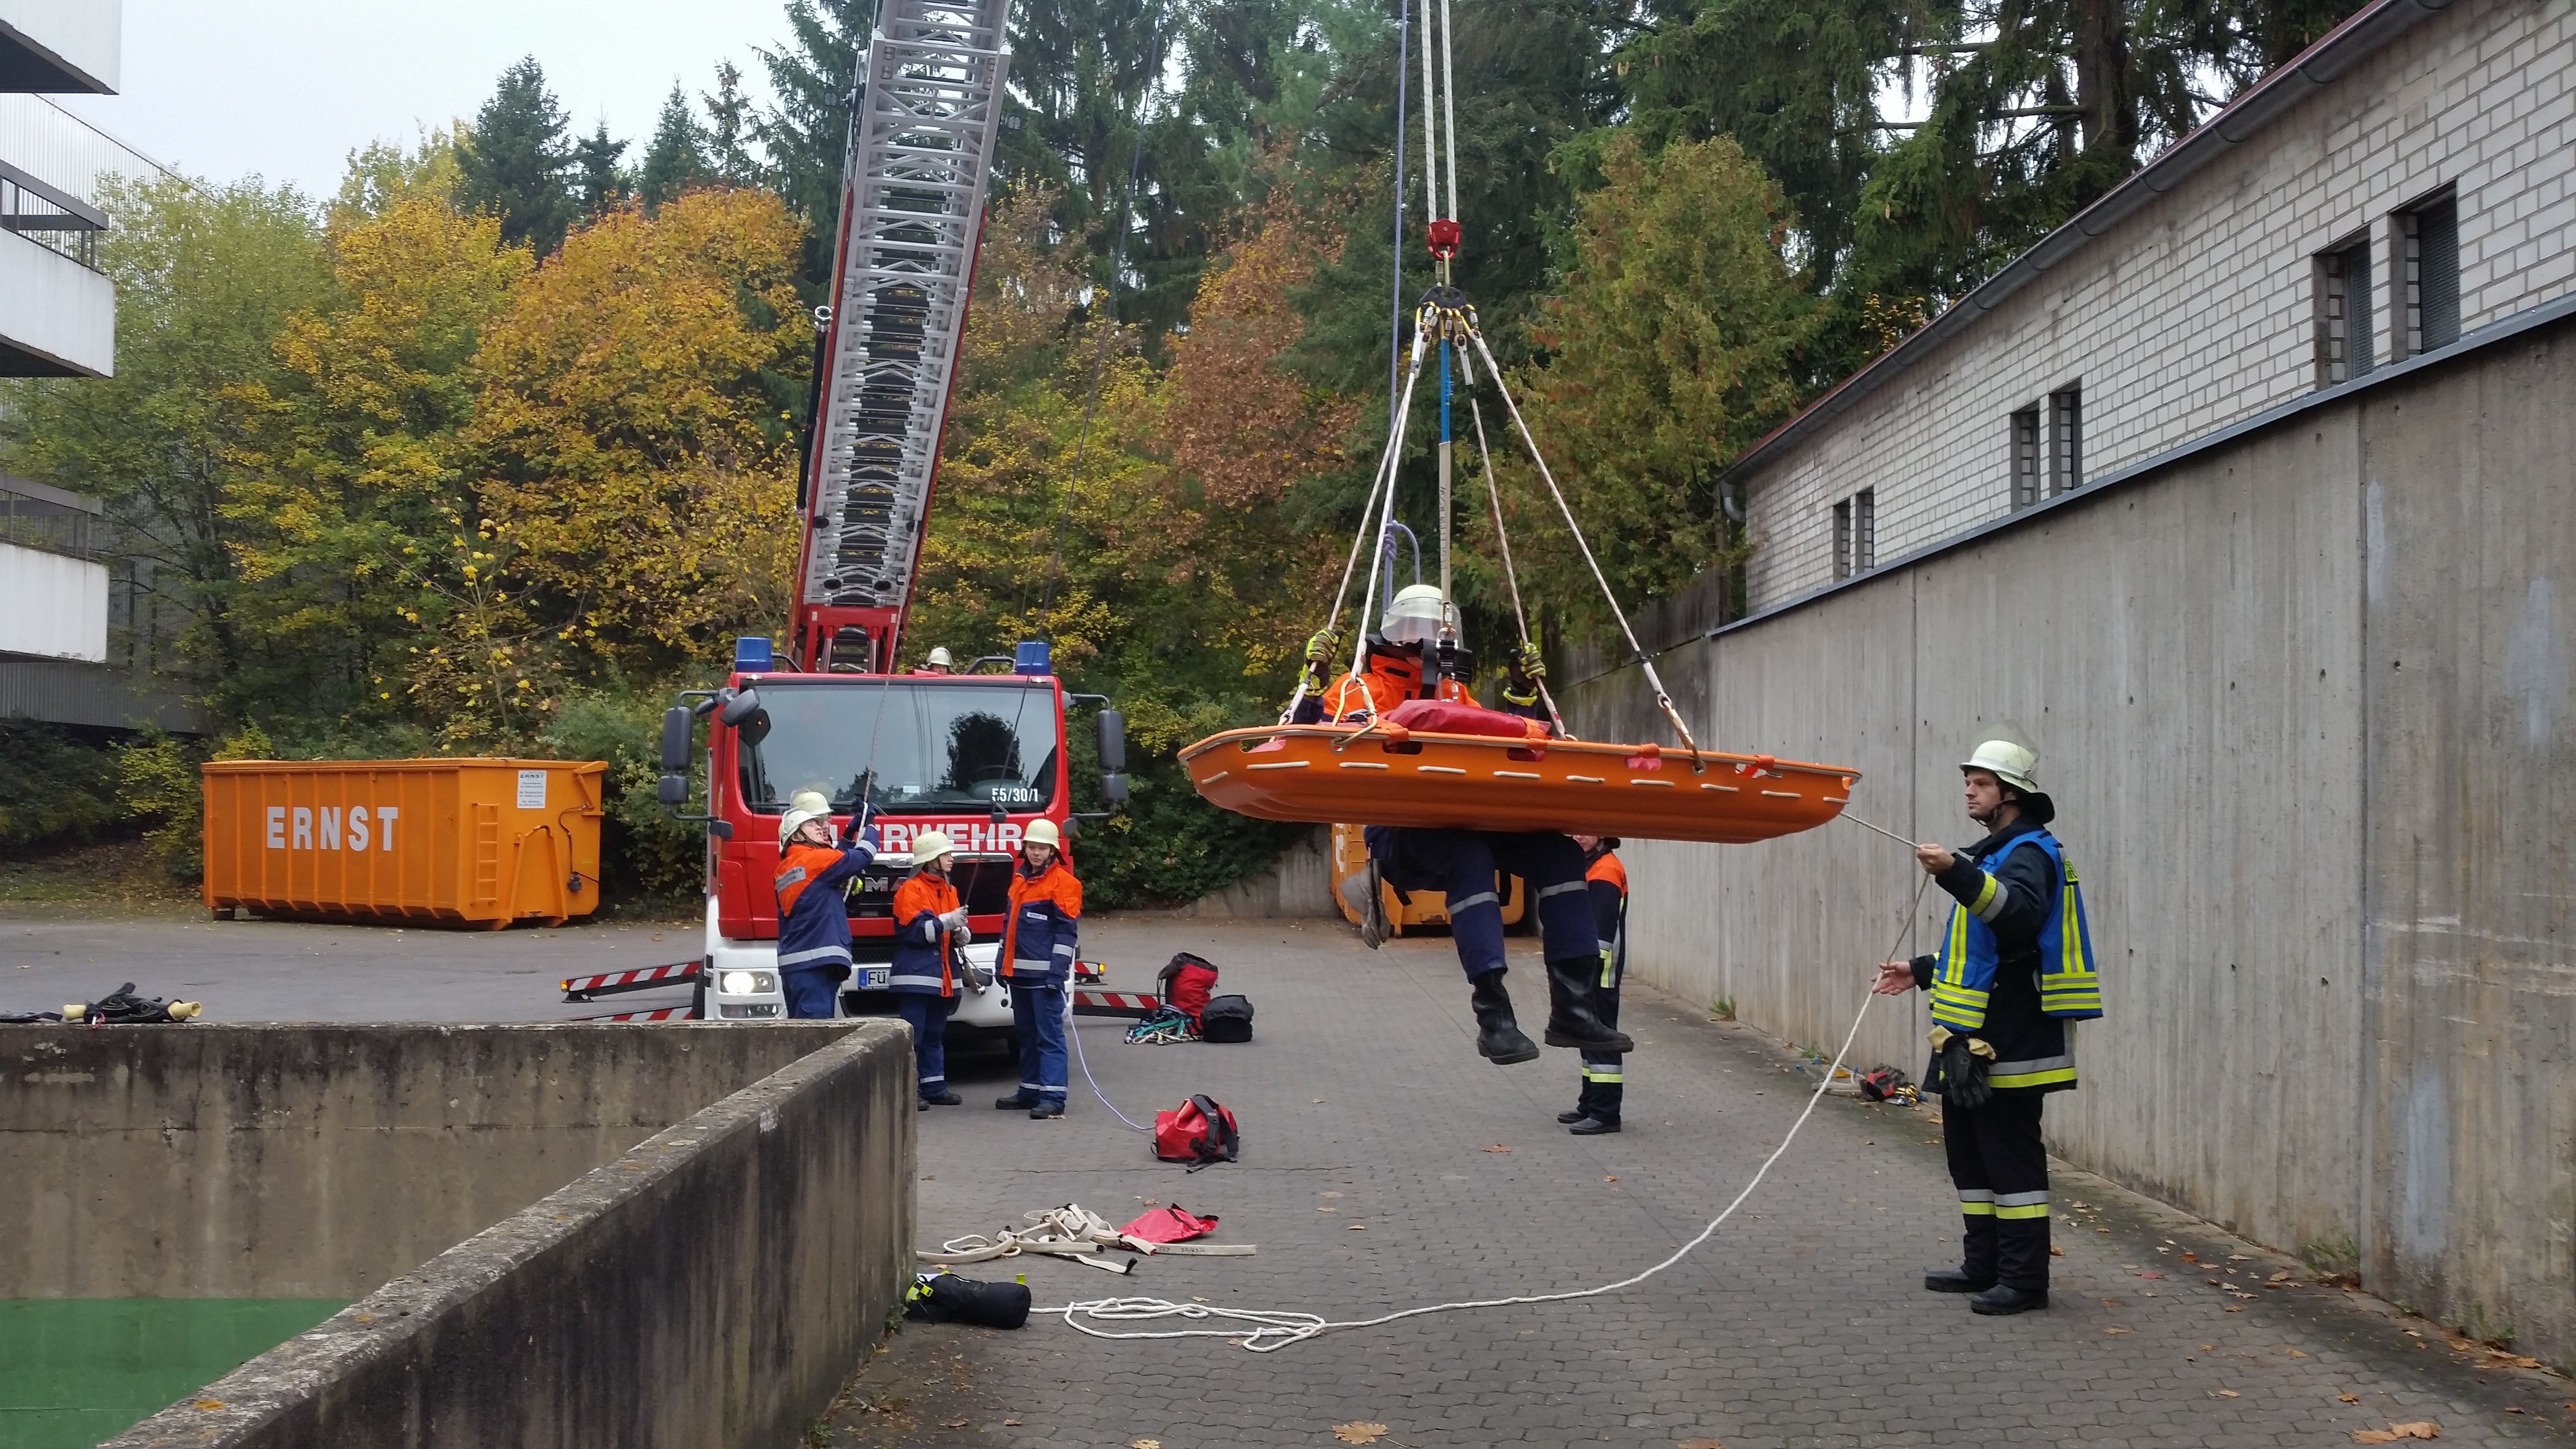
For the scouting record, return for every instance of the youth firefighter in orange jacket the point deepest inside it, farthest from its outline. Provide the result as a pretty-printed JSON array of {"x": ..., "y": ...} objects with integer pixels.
[
  {"x": 2015, "y": 966},
  {"x": 813, "y": 916},
  {"x": 929, "y": 927},
  {"x": 1419, "y": 635},
  {"x": 1038, "y": 944}
]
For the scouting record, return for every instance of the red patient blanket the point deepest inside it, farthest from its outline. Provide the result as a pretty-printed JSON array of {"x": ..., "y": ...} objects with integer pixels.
[
  {"x": 1448, "y": 717},
  {"x": 1169, "y": 1225}
]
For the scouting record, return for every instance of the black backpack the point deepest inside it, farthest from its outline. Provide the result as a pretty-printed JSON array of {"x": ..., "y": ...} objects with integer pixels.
[
  {"x": 1226, "y": 1018},
  {"x": 946, "y": 1298}
]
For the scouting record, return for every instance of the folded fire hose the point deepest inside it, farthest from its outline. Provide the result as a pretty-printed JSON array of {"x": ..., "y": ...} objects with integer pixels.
[{"x": 1074, "y": 1233}]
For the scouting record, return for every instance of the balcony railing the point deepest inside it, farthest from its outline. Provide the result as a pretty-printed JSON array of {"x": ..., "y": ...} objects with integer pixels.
[
  {"x": 38, "y": 516},
  {"x": 50, "y": 217}
]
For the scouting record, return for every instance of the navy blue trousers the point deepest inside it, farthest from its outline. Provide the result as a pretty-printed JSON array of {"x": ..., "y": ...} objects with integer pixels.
[
  {"x": 1037, "y": 1015},
  {"x": 1605, "y": 1076},
  {"x": 809, "y": 993},
  {"x": 928, "y": 1016},
  {"x": 1467, "y": 864}
]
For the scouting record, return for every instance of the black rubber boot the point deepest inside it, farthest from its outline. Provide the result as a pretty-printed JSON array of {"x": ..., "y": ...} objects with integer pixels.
[
  {"x": 2003, "y": 1298},
  {"x": 1571, "y": 1021},
  {"x": 1568, "y": 1119},
  {"x": 1955, "y": 1280},
  {"x": 1498, "y": 1035},
  {"x": 1014, "y": 1103},
  {"x": 1593, "y": 1127}
]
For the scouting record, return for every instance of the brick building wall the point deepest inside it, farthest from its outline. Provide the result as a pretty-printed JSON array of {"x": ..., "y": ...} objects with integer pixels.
[{"x": 2200, "y": 308}]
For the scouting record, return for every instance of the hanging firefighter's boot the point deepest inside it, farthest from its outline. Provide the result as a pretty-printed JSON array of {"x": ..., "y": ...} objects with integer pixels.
[
  {"x": 1498, "y": 1036},
  {"x": 1571, "y": 1021}
]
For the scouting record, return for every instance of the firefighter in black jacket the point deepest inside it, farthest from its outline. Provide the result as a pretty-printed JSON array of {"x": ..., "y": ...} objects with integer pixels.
[
  {"x": 1605, "y": 1074},
  {"x": 2015, "y": 965}
]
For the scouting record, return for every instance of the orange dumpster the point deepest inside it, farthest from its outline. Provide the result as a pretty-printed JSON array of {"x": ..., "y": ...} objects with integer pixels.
[{"x": 450, "y": 842}]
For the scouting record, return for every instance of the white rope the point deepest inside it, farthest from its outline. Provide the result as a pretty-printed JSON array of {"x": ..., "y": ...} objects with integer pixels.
[
  {"x": 1662, "y": 698},
  {"x": 1269, "y": 1330},
  {"x": 1503, "y": 539},
  {"x": 1430, "y": 151},
  {"x": 1075, "y": 1036},
  {"x": 1386, "y": 514},
  {"x": 1449, "y": 107},
  {"x": 1385, "y": 472}
]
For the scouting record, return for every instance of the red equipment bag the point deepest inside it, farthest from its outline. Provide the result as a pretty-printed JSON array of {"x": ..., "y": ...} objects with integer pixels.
[
  {"x": 1198, "y": 1132},
  {"x": 1169, "y": 1225},
  {"x": 1187, "y": 982},
  {"x": 1449, "y": 717}
]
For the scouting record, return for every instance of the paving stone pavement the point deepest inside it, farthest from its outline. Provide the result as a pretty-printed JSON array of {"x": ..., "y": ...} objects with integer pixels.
[{"x": 1375, "y": 1177}]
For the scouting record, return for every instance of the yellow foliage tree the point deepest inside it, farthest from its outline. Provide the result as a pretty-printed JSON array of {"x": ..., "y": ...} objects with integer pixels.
[{"x": 638, "y": 471}]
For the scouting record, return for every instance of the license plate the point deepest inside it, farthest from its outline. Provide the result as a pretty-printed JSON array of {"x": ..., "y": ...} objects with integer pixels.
[{"x": 872, "y": 978}]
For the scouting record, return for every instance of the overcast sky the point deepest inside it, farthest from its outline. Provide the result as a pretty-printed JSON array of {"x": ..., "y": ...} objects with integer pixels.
[{"x": 288, "y": 88}]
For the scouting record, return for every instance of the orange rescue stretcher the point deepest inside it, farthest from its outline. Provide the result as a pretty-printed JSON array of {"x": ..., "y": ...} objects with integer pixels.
[{"x": 1386, "y": 774}]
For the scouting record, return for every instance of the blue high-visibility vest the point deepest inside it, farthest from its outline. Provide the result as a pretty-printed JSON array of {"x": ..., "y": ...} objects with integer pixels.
[{"x": 2069, "y": 984}]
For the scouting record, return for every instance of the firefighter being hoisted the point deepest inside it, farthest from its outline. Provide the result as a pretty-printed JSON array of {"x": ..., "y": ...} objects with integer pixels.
[{"x": 1420, "y": 638}]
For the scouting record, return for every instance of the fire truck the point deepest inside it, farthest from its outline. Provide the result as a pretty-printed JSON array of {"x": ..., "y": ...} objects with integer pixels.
[{"x": 978, "y": 753}]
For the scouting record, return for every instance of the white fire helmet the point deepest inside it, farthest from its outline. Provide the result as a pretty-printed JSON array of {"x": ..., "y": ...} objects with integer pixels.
[
  {"x": 1414, "y": 615},
  {"x": 2006, "y": 761},
  {"x": 940, "y": 658},
  {"x": 804, "y": 805},
  {"x": 1042, "y": 832},
  {"x": 930, "y": 845}
]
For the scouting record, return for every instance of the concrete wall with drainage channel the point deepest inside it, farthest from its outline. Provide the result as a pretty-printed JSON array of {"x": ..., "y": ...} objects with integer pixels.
[{"x": 542, "y": 1235}]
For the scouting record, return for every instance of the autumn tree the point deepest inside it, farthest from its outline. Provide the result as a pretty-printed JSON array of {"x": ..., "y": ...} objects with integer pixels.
[
  {"x": 348, "y": 511},
  {"x": 636, "y": 473}
]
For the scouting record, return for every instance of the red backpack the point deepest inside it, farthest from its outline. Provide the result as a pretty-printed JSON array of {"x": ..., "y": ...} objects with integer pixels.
[
  {"x": 1197, "y": 1132},
  {"x": 1187, "y": 981}
]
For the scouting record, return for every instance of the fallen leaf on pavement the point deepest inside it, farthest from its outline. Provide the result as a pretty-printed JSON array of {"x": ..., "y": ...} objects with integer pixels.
[
  {"x": 2235, "y": 1307},
  {"x": 1498, "y": 1147},
  {"x": 1139, "y": 1444},
  {"x": 2212, "y": 1282},
  {"x": 2055, "y": 1251},
  {"x": 2151, "y": 1275},
  {"x": 2294, "y": 1353},
  {"x": 2419, "y": 1429},
  {"x": 2281, "y": 1276},
  {"x": 962, "y": 1423},
  {"x": 2349, "y": 1398},
  {"x": 1360, "y": 1432},
  {"x": 1359, "y": 1227},
  {"x": 1614, "y": 1177},
  {"x": 1010, "y": 1423},
  {"x": 2227, "y": 1394},
  {"x": 2118, "y": 1330},
  {"x": 1701, "y": 1444},
  {"x": 207, "y": 1404}
]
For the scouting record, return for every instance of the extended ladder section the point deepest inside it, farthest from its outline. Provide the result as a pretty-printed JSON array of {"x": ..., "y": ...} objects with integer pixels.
[{"x": 912, "y": 206}]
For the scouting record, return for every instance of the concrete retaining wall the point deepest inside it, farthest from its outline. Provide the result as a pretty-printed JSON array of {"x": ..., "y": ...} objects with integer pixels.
[
  {"x": 705, "y": 1283},
  {"x": 2303, "y": 698},
  {"x": 1301, "y": 884}
]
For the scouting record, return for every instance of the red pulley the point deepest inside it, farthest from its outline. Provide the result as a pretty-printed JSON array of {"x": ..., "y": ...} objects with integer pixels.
[{"x": 1444, "y": 235}]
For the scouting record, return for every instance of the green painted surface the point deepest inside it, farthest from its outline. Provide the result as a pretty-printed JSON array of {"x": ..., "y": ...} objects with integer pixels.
[{"x": 74, "y": 1371}]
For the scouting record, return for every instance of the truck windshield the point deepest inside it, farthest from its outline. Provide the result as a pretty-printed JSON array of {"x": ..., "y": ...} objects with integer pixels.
[{"x": 913, "y": 746}]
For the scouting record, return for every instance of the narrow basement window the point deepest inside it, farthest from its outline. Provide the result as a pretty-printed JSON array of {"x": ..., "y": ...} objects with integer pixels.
[
  {"x": 1864, "y": 530},
  {"x": 2343, "y": 312},
  {"x": 2025, "y": 458},
  {"x": 2432, "y": 233},
  {"x": 1843, "y": 539},
  {"x": 2066, "y": 440}
]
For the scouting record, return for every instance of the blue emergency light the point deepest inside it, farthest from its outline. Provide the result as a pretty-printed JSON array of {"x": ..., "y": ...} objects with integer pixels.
[
  {"x": 751, "y": 655},
  {"x": 1032, "y": 658}
]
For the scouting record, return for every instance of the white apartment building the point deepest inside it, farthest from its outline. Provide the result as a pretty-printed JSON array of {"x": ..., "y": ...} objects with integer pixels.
[
  {"x": 59, "y": 577},
  {"x": 2402, "y": 186}
]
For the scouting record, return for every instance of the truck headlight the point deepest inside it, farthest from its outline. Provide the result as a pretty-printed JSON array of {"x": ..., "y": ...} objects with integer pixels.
[{"x": 747, "y": 983}]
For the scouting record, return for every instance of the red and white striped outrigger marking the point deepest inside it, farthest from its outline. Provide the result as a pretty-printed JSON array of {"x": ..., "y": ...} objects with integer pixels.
[
  {"x": 642, "y": 978},
  {"x": 1115, "y": 1003},
  {"x": 659, "y": 1013}
]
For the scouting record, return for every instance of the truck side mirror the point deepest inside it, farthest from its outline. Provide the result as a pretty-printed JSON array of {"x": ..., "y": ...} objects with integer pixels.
[
  {"x": 677, "y": 724},
  {"x": 673, "y": 789},
  {"x": 1113, "y": 742},
  {"x": 1113, "y": 788},
  {"x": 744, "y": 704}
]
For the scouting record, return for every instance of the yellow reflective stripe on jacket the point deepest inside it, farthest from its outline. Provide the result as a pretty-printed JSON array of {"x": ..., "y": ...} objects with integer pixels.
[{"x": 1957, "y": 1006}]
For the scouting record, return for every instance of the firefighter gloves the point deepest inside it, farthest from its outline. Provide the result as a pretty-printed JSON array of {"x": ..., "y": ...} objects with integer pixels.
[{"x": 1963, "y": 1075}]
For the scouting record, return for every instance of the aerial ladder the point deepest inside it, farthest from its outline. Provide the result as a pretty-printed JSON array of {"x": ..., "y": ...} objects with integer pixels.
[{"x": 922, "y": 125}]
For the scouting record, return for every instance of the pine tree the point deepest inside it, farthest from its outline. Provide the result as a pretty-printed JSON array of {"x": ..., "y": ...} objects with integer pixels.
[
  {"x": 677, "y": 157},
  {"x": 515, "y": 159},
  {"x": 806, "y": 134},
  {"x": 727, "y": 113},
  {"x": 603, "y": 182}
]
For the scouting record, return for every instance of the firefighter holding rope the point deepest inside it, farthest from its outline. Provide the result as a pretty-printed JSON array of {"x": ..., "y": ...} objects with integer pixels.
[{"x": 2015, "y": 966}]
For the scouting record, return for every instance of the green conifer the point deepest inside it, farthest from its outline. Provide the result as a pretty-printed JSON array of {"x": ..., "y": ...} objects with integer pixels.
[{"x": 514, "y": 161}]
